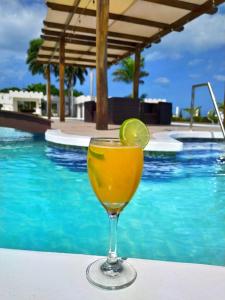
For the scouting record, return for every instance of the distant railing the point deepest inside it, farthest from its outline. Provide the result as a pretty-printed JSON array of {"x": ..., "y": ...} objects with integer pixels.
[{"x": 214, "y": 103}]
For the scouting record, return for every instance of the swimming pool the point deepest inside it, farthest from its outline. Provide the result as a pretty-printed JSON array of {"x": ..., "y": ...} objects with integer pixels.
[{"x": 177, "y": 214}]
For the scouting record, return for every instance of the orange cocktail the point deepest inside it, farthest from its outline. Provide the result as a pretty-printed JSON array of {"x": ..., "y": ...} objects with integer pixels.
[{"x": 114, "y": 171}]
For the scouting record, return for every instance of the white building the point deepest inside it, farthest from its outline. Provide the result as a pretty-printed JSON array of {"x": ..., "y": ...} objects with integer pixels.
[
  {"x": 31, "y": 102},
  {"x": 21, "y": 101},
  {"x": 78, "y": 105}
]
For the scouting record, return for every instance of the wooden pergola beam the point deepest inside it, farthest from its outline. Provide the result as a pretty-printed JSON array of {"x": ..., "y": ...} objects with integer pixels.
[
  {"x": 71, "y": 51},
  {"x": 86, "y": 43},
  {"x": 125, "y": 36},
  {"x": 67, "y": 22},
  {"x": 85, "y": 37},
  {"x": 44, "y": 62},
  {"x": 204, "y": 8},
  {"x": 73, "y": 59},
  {"x": 175, "y": 3},
  {"x": 102, "y": 18},
  {"x": 207, "y": 7},
  {"x": 112, "y": 16},
  {"x": 61, "y": 78},
  {"x": 80, "y": 65}
]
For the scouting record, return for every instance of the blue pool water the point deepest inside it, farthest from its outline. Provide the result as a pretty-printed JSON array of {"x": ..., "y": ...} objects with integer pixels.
[{"x": 177, "y": 214}]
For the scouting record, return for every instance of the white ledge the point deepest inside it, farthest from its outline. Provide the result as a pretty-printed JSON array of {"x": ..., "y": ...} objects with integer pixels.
[
  {"x": 26, "y": 275},
  {"x": 56, "y": 136},
  {"x": 160, "y": 142}
]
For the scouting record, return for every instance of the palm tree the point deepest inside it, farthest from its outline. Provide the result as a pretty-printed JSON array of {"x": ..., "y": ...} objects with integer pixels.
[
  {"x": 212, "y": 116},
  {"x": 193, "y": 112},
  {"x": 221, "y": 106},
  {"x": 125, "y": 72},
  {"x": 72, "y": 74},
  {"x": 33, "y": 65},
  {"x": 32, "y": 54}
]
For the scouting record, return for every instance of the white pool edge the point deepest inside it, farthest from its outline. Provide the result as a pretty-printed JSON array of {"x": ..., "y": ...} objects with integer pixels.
[
  {"x": 161, "y": 142},
  {"x": 26, "y": 275}
]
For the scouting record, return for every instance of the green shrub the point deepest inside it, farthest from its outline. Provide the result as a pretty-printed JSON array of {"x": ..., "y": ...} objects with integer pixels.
[
  {"x": 179, "y": 119},
  {"x": 200, "y": 119}
]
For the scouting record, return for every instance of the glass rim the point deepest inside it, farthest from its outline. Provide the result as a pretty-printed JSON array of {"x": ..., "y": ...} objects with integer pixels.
[
  {"x": 105, "y": 138},
  {"x": 98, "y": 140}
]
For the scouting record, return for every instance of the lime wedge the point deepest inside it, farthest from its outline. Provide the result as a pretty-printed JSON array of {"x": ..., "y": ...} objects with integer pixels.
[
  {"x": 134, "y": 132},
  {"x": 96, "y": 154}
]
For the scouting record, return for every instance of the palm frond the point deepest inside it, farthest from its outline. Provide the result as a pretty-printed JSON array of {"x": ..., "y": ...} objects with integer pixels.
[{"x": 125, "y": 71}]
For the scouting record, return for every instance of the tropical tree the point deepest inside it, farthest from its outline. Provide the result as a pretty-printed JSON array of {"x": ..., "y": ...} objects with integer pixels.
[
  {"x": 193, "y": 111},
  {"x": 222, "y": 110},
  {"x": 32, "y": 53},
  {"x": 40, "y": 87},
  {"x": 33, "y": 65},
  {"x": 212, "y": 116},
  {"x": 125, "y": 72},
  {"x": 6, "y": 90},
  {"x": 221, "y": 106},
  {"x": 72, "y": 75},
  {"x": 143, "y": 96},
  {"x": 77, "y": 93}
]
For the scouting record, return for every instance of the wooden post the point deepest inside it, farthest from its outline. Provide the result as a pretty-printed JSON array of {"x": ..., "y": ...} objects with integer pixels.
[
  {"x": 61, "y": 80},
  {"x": 102, "y": 16},
  {"x": 49, "y": 102},
  {"x": 136, "y": 73}
]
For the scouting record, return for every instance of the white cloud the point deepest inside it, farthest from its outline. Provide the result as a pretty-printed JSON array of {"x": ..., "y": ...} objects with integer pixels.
[
  {"x": 18, "y": 25},
  {"x": 194, "y": 76},
  {"x": 158, "y": 55},
  {"x": 219, "y": 77},
  {"x": 195, "y": 62},
  {"x": 162, "y": 80},
  {"x": 154, "y": 55},
  {"x": 202, "y": 34}
]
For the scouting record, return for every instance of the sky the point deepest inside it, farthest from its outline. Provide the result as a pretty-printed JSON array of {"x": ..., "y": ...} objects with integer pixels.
[{"x": 195, "y": 55}]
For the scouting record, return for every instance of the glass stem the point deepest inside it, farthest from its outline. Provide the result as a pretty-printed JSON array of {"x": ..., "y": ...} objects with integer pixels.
[{"x": 112, "y": 255}]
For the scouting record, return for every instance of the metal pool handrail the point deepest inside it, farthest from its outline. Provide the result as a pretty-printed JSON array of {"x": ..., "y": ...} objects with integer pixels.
[{"x": 213, "y": 100}]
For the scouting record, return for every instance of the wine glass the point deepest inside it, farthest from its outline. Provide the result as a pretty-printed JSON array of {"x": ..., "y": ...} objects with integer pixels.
[{"x": 114, "y": 171}]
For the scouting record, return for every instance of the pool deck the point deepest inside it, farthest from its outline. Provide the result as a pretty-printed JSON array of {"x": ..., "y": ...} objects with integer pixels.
[
  {"x": 164, "y": 138},
  {"x": 74, "y": 126},
  {"x": 30, "y": 275}
]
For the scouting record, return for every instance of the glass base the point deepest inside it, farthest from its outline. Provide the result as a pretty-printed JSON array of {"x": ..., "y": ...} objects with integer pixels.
[{"x": 112, "y": 276}]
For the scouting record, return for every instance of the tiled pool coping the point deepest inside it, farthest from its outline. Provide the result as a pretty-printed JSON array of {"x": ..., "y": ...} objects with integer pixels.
[
  {"x": 30, "y": 275},
  {"x": 160, "y": 142}
]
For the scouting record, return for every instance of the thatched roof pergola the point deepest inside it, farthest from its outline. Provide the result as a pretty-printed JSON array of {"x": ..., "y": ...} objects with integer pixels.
[{"x": 99, "y": 33}]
